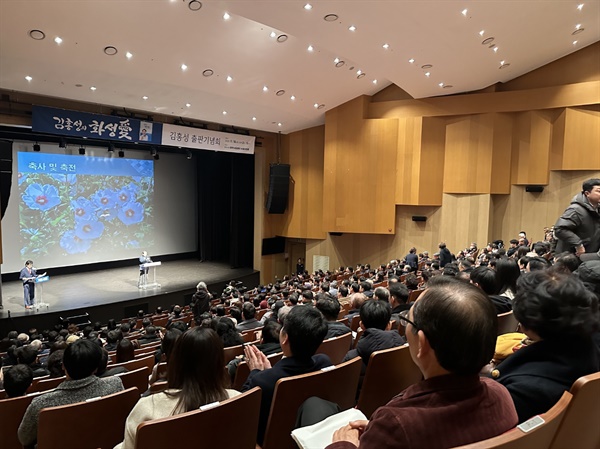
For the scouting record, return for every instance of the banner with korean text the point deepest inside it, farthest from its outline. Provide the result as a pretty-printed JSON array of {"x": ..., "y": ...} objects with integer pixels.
[
  {"x": 94, "y": 126},
  {"x": 204, "y": 139}
]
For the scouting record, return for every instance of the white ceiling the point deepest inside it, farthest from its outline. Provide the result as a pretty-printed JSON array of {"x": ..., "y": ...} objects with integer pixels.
[{"x": 164, "y": 34}]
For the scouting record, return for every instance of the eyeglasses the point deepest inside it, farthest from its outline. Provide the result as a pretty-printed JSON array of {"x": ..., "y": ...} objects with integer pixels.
[{"x": 405, "y": 321}]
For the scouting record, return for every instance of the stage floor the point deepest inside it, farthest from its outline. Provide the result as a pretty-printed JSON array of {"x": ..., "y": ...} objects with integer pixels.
[{"x": 90, "y": 289}]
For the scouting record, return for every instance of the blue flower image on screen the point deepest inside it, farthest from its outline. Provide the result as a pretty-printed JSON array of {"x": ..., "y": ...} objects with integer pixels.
[{"x": 81, "y": 204}]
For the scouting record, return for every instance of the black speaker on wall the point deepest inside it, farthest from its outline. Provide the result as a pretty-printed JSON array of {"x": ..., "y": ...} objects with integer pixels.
[
  {"x": 279, "y": 188},
  {"x": 5, "y": 173},
  {"x": 419, "y": 218},
  {"x": 534, "y": 189}
]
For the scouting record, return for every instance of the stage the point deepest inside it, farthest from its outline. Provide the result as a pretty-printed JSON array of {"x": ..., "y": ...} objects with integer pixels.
[{"x": 113, "y": 293}]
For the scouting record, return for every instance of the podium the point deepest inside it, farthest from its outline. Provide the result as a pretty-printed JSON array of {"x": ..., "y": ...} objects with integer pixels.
[
  {"x": 40, "y": 280},
  {"x": 145, "y": 269}
]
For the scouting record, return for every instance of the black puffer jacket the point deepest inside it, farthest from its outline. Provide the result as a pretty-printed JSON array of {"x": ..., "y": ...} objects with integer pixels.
[{"x": 579, "y": 224}]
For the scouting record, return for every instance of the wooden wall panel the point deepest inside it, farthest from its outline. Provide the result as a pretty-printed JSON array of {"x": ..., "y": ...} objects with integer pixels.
[
  {"x": 465, "y": 219},
  {"x": 532, "y": 139},
  {"x": 303, "y": 150},
  {"x": 581, "y": 148},
  {"x": 501, "y": 153},
  {"x": 360, "y": 171}
]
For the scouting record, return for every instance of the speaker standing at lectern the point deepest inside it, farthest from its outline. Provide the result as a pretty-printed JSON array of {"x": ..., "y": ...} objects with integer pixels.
[
  {"x": 144, "y": 258},
  {"x": 27, "y": 275}
]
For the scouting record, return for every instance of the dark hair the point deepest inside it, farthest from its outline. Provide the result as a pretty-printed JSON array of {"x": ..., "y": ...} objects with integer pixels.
[
  {"x": 55, "y": 361},
  {"x": 226, "y": 331},
  {"x": 17, "y": 380},
  {"x": 248, "y": 310},
  {"x": 507, "y": 274},
  {"x": 399, "y": 291},
  {"x": 375, "y": 314},
  {"x": 168, "y": 342},
  {"x": 382, "y": 294},
  {"x": 538, "y": 263},
  {"x": 270, "y": 332},
  {"x": 587, "y": 185},
  {"x": 485, "y": 277},
  {"x": 196, "y": 368},
  {"x": 112, "y": 336},
  {"x": 555, "y": 305},
  {"x": 306, "y": 328},
  {"x": 460, "y": 324},
  {"x": 82, "y": 358},
  {"x": 411, "y": 281},
  {"x": 236, "y": 313},
  {"x": 566, "y": 263},
  {"x": 26, "y": 355},
  {"x": 125, "y": 327},
  {"x": 125, "y": 351},
  {"x": 329, "y": 307}
]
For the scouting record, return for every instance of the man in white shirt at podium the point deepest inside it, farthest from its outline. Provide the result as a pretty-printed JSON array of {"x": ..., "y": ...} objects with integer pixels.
[
  {"x": 27, "y": 275},
  {"x": 144, "y": 258}
]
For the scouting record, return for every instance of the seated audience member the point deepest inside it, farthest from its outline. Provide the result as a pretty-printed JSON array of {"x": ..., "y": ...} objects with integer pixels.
[
  {"x": 485, "y": 279},
  {"x": 451, "y": 331},
  {"x": 365, "y": 289},
  {"x": 358, "y": 299},
  {"x": 507, "y": 275},
  {"x": 398, "y": 299},
  {"x": 302, "y": 333},
  {"x": 27, "y": 355},
  {"x": 149, "y": 336},
  {"x": 102, "y": 370},
  {"x": 81, "y": 360},
  {"x": 112, "y": 338},
  {"x": 195, "y": 378},
  {"x": 330, "y": 308},
  {"x": 558, "y": 314},
  {"x": 164, "y": 353},
  {"x": 382, "y": 294},
  {"x": 17, "y": 380},
  {"x": 55, "y": 363},
  {"x": 411, "y": 281},
  {"x": 537, "y": 264},
  {"x": 375, "y": 321},
  {"x": 226, "y": 330},
  {"x": 125, "y": 351},
  {"x": 235, "y": 314},
  {"x": 249, "y": 322}
]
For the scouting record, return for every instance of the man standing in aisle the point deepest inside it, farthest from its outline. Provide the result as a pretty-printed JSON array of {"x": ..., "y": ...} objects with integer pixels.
[
  {"x": 578, "y": 228},
  {"x": 28, "y": 275}
]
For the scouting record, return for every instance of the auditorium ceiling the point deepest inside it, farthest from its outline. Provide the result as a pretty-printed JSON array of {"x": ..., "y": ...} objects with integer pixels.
[{"x": 277, "y": 65}]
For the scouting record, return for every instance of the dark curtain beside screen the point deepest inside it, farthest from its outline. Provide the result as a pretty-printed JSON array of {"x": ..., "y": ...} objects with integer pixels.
[{"x": 226, "y": 207}]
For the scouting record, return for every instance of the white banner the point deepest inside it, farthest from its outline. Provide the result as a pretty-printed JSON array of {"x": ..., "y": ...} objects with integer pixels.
[{"x": 204, "y": 139}]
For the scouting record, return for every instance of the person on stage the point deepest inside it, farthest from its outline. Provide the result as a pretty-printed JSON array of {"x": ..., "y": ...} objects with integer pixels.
[
  {"x": 144, "y": 258},
  {"x": 28, "y": 275}
]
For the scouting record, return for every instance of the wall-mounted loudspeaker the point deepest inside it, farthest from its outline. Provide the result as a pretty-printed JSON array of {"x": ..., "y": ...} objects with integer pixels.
[
  {"x": 279, "y": 188},
  {"x": 534, "y": 189},
  {"x": 336, "y": 234},
  {"x": 419, "y": 218}
]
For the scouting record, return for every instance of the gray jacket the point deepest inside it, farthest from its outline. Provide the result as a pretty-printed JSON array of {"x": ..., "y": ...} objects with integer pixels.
[
  {"x": 68, "y": 392},
  {"x": 579, "y": 224}
]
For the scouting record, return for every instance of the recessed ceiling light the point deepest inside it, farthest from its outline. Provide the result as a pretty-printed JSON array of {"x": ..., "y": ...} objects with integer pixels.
[
  {"x": 580, "y": 6},
  {"x": 574, "y": 42},
  {"x": 577, "y": 26},
  {"x": 184, "y": 67},
  {"x": 464, "y": 12},
  {"x": 38, "y": 35},
  {"x": 253, "y": 119},
  {"x": 187, "y": 105},
  {"x": 58, "y": 40},
  {"x": 265, "y": 88},
  {"x": 339, "y": 63},
  {"x": 577, "y": 31},
  {"x": 195, "y": 5},
  {"x": 128, "y": 55},
  {"x": 492, "y": 46},
  {"x": 358, "y": 72},
  {"x": 310, "y": 48},
  {"x": 482, "y": 32},
  {"x": 441, "y": 84},
  {"x": 282, "y": 38},
  {"x": 110, "y": 50},
  {"x": 208, "y": 72},
  {"x": 28, "y": 78},
  {"x": 448, "y": 86},
  {"x": 411, "y": 60},
  {"x": 316, "y": 105},
  {"x": 495, "y": 49},
  {"x": 352, "y": 28},
  {"x": 273, "y": 34},
  {"x": 279, "y": 124},
  {"x": 229, "y": 78},
  {"x": 336, "y": 60},
  {"x": 504, "y": 64},
  {"x": 487, "y": 41},
  {"x": 280, "y": 92},
  {"x": 226, "y": 16},
  {"x": 293, "y": 97},
  {"x": 330, "y": 17},
  {"x": 374, "y": 81},
  {"x": 224, "y": 112},
  {"x": 386, "y": 46},
  {"x": 92, "y": 88},
  {"x": 145, "y": 97},
  {"x": 427, "y": 74},
  {"x": 426, "y": 66},
  {"x": 361, "y": 75},
  {"x": 308, "y": 6},
  {"x": 321, "y": 106}
]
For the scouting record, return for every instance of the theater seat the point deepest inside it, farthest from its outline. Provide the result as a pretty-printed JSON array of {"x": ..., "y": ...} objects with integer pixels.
[
  {"x": 12, "y": 411},
  {"x": 336, "y": 347}
]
